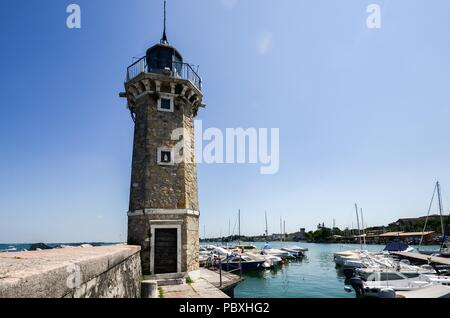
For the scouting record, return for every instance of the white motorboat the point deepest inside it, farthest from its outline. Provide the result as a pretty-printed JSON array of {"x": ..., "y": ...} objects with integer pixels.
[
  {"x": 356, "y": 258},
  {"x": 373, "y": 262},
  {"x": 295, "y": 253},
  {"x": 268, "y": 250},
  {"x": 273, "y": 260},
  {"x": 245, "y": 248},
  {"x": 207, "y": 253},
  {"x": 297, "y": 248},
  {"x": 400, "y": 271},
  {"x": 353, "y": 264},
  {"x": 244, "y": 262},
  {"x": 220, "y": 251},
  {"x": 276, "y": 252},
  {"x": 389, "y": 288},
  {"x": 369, "y": 264},
  {"x": 270, "y": 261},
  {"x": 351, "y": 255}
]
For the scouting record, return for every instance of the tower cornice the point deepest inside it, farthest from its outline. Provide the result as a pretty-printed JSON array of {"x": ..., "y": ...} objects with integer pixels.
[{"x": 151, "y": 83}]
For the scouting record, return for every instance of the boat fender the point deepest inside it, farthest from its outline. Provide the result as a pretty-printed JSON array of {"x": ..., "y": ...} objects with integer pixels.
[{"x": 386, "y": 293}]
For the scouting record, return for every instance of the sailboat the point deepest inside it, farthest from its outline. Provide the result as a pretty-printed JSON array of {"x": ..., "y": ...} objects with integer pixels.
[
  {"x": 349, "y": 257},
  {"x": 272, "y": 254},
  {"x": 444, "y": 250},
  {"x": 240, "y": 260}
]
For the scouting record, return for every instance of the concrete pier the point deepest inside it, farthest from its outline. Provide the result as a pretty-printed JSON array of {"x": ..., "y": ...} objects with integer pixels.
[
  {"x": 203, "y": 283},
  {"x": 90, "y": 272}
]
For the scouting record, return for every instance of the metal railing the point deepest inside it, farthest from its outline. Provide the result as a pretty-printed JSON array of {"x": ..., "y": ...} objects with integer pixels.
[
  {"x": 216, "y": 263},
  {"x": 176, "y": 69}
]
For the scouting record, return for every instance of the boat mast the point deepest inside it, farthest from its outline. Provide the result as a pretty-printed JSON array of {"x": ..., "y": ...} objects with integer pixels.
[
  {"x": 359, "y": 229},
  {"x": 428, "y": 214},
  {"x": 438, "y": 186},
  {"x": 267, "y": 229},
  {"x": 239, "y": 227},
  {"x": 281, "y": 229},
  {"x": 444, "y": 237},
  {"x": 444, "y": 228},
  {"x": 363, "y": 227}
]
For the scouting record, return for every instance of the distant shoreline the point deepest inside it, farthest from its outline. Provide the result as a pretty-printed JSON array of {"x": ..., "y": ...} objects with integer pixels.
[{"x": 20, "y": 247}]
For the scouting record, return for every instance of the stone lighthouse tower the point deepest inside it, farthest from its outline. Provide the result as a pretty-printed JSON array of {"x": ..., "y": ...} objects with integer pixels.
[{"x": 164, "y": 95}]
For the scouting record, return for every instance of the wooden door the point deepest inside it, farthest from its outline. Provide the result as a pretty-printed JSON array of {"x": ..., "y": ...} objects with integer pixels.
[{"x": 166, "y": 250}]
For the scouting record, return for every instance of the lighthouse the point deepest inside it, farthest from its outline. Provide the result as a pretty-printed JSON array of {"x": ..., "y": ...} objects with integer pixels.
[{"x": 164, "y": 94}]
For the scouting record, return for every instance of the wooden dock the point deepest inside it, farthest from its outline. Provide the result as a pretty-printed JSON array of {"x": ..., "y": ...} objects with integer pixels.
[{"x": 424, "y": 258}]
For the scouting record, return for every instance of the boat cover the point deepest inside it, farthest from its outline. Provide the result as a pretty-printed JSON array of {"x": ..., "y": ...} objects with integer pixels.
[{"x": 396, "y": 247}]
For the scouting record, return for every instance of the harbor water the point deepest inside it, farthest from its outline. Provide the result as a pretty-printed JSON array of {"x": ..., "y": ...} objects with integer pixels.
[{"x": 314, "y": 276}]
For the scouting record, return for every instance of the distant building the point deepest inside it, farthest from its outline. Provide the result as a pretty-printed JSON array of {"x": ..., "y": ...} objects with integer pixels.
[
  {"x": 407, "y": 237},
  {"x": 411, "y": 222},
  {"x": 302, "y": 234}
]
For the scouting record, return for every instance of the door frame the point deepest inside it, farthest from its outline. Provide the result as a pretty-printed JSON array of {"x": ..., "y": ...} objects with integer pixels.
[{"x": 153, "y": 227}]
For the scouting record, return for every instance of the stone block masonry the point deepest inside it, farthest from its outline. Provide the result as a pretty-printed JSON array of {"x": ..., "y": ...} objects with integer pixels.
[
  {"x": 155, "y": 186},
  {"x": 93, "y": 272},
  {"x": 141, "y": 223},
  {"x": 164, "y": 196}
]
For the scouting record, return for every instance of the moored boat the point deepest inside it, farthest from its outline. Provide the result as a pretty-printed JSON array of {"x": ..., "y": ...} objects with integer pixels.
[
  {"x": 297, "y": 248},
  {"x": 388, "y": 288},
  {"x": 398, "y": 273},
  {"x": 295, "y": 253},
  {"x": 235, "y": 262},
  {"x": 268, "y": 250}
]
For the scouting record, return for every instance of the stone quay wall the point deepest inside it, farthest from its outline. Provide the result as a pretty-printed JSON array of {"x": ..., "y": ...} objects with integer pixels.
[{"x": 91, "y": 272}]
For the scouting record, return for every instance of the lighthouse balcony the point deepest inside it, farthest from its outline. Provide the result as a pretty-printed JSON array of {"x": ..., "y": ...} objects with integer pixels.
[{"x": 174, "y": 69}]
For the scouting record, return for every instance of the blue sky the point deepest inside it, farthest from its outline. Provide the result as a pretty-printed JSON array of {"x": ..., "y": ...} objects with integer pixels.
[{"x": 363, "y": 113}]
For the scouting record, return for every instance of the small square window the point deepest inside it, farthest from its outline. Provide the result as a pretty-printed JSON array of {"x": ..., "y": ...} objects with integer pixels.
[
  {"x": 165, "y": 156},
  {"x": 165, "y": 104}
]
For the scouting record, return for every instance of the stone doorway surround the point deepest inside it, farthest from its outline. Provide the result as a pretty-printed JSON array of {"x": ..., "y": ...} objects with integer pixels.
[{"x": 165, "y": 224}]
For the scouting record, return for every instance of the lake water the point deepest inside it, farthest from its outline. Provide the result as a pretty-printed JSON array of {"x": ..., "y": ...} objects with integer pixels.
[
  {"x": 315, "y": 276},
  {"x": 6, "y": 247}
]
